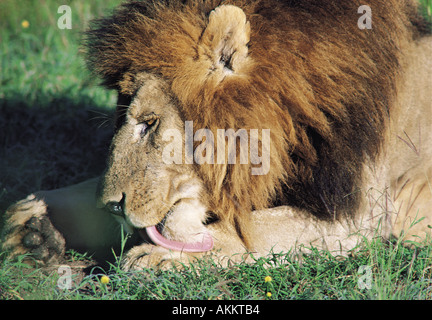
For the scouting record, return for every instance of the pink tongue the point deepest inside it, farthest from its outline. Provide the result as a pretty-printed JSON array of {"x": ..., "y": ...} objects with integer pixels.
[{"x": 205, "y": 245}]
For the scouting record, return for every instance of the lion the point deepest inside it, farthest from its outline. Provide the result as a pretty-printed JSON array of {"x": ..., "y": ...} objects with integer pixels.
[{"x": 343, "y": 114}]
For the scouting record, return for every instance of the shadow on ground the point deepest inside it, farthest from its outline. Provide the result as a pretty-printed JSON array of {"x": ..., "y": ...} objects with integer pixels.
[{"x": 51, "y": 144}]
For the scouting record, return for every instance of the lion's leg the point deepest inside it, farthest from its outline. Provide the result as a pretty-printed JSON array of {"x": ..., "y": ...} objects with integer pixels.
[
  {"x": 48, "y": 222},
  {"x": 286, "y": 229},
  {"x": 281, "y": 229},
  {"x": 228, "y": 248}
]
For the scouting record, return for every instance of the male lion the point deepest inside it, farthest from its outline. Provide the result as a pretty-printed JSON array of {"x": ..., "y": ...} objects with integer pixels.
[{"x": 347, "y": 108}]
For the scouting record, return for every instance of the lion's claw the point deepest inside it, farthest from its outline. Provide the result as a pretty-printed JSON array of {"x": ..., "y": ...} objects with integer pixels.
[
  {"x": 28, "y": 230},
  {"x": 32, "y": 240}
]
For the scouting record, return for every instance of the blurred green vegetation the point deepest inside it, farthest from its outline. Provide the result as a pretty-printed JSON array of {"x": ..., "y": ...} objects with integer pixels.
[
  {"x": 46, "y": 95},
  {"x": 39, "y": 60}
]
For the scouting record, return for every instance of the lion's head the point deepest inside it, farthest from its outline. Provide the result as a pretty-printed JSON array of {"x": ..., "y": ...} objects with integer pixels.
[
  {"x": 253, "y": 65},
  {"x": 139, "y": 186}
]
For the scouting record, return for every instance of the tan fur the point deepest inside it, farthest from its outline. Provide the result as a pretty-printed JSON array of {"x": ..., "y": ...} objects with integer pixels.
[
  {"x": 349, "y": 113},
  {"x": 409, "y": 149},
  {"x": 136, "y": 168}
]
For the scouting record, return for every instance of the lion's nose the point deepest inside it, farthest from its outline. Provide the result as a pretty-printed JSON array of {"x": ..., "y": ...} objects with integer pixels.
[{"x": 116, "y": 208}]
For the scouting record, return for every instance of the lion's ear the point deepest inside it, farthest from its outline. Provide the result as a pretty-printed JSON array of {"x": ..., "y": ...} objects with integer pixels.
[{"x": 226, "y": 37}]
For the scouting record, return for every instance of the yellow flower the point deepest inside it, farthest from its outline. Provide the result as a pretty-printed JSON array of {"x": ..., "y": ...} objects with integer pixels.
[
  {"x": 269, "y": 294},
  {"x": 104, "y": 279},
  {"x": 25, "y": 24},
  {"x": 268, "y": 279}
]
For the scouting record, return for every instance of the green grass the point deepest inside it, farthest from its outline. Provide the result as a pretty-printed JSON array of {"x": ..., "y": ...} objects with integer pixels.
[
  {"x": 46, "y": 95},
  {"x": 427, "y": 9},
  {"x": 395, "y": 272}
]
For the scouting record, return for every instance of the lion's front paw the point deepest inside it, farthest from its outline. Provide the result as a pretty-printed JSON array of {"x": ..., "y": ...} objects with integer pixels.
[
  {"x": 151, "y": 256},
  {"x": 29, "y": 230}
]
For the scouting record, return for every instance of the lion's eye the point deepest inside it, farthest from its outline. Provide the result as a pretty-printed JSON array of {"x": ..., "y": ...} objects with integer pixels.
[{"x": 147, "y": 125}]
